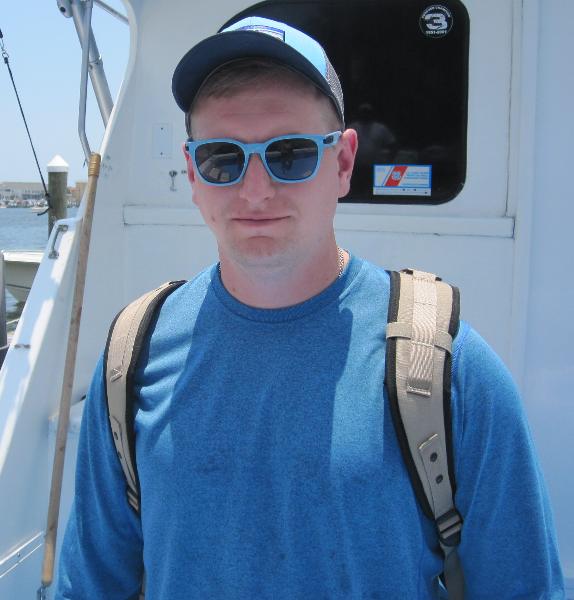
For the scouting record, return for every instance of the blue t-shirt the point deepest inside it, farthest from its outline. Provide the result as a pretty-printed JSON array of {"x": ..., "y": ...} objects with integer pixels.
[{"x": 270, "y": 469}]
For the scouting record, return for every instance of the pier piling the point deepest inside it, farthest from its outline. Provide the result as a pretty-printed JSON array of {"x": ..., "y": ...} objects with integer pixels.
[{"x": 58, "y": 189}]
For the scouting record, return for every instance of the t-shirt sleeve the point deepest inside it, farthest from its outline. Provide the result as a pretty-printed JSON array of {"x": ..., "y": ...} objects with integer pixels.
[
  {"x": 101, "y": 553},
  {"x": 508, "y": 546}
]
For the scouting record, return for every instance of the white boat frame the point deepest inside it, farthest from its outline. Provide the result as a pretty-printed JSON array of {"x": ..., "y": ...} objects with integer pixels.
[{"x": 503, "y": 240}]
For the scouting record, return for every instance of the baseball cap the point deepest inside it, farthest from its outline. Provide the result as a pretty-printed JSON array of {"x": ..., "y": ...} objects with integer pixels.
[{"x": 256, "y": 37}]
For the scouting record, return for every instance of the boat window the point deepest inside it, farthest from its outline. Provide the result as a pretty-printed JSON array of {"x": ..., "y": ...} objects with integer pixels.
[{"x": 403, "y": 65}]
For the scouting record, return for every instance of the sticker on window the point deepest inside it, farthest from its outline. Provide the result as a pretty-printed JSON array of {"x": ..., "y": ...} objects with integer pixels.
[
  {"x": 402, "y": 180},
  {"x": 436, "y": 21}
]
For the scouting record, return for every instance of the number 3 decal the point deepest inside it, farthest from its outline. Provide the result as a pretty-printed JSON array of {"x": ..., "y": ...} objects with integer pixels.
[{"x": 436, "y": 20}]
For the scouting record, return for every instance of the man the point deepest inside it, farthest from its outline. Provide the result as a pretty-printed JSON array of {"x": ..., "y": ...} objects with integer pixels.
[{"x": 267, "y": 459}]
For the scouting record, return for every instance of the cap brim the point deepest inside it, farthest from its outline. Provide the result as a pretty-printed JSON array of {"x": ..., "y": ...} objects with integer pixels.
[{"x": 213, "y": 52}]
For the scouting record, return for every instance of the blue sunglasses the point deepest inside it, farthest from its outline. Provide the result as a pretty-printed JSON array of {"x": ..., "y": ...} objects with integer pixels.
[{"x": 287, "y": 159}]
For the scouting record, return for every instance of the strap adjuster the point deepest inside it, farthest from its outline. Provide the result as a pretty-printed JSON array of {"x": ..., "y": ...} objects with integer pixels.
[
  {"x": 133, "y": 499},
  {"x": 449, "y": 527}
]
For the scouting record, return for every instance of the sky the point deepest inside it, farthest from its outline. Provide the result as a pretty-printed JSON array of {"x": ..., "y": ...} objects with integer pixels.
[{"x": 45, "y": 58}]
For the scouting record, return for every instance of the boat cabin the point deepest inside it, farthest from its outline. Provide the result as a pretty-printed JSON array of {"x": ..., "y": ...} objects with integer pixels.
[{"x": 463, "y": 109}]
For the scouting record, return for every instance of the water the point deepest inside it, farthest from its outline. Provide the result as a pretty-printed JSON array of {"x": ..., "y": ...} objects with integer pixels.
[{"x": 22, "y": 229}]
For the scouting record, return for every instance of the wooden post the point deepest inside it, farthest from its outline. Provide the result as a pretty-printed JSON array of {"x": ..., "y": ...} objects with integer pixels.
[
  {"x": 58, "y": 190},
  {"x": 69, "y": 368}
]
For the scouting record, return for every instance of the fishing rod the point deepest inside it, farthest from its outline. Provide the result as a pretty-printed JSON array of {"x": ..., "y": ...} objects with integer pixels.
[{"x": 6, "y": 58}]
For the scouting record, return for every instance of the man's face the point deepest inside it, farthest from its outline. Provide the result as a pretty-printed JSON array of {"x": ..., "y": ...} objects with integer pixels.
[{"x": 260, "y": 222}]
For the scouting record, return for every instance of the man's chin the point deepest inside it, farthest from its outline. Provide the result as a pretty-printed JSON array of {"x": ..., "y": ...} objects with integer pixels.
[{"x": 262, "y": 252}]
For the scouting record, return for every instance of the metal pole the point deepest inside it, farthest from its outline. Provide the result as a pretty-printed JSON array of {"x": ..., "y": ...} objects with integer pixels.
[
  {"x": 85, "y": 41},
  {"x": 3, "y": 331},
  {"x": 96, "y": 66},
  {"x": 69, "y": 368},
  {"x": 112, "y": 11}
]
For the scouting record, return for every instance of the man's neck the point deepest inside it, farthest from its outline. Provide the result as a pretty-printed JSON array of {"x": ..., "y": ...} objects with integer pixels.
[{"x": 281, "y": 286}]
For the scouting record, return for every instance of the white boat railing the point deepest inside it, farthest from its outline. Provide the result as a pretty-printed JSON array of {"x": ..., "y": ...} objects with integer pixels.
[
  {"x": 30, "y": 400},
  {"x": 4, "y": 325}
]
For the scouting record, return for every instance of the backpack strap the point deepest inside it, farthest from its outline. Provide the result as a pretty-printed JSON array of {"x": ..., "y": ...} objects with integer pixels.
[
  {"x": 123, "y": 347},
  {"x": 423, "y": 320}
]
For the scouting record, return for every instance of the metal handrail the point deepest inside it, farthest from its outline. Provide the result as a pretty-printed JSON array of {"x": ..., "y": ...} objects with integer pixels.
[
  {"x": 84, "y": 79},
  {"x": 96, "y": 64},
  {"x": 112, "y": 11},
  {"x": 81, "y": 11}
]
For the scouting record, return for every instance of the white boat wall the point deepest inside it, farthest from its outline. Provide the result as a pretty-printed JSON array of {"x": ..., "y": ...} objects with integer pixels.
[
  {"x": 503, "y": 239},
  {"x": 20, "y": 267}
]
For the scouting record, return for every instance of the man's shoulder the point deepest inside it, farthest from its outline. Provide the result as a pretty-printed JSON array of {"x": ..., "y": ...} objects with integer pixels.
[
  {"x": 159, "y": 309},
  {"x": 472, "y": 353},
  {"x": 198, "y": 284},
  {"x": 194, "y": 289},
  {"x": 365, "y": 273},
  {"x": 484, "y": 390}
]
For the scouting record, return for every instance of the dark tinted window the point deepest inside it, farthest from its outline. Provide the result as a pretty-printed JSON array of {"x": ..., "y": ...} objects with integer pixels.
[{"x": 403, "y": 65}]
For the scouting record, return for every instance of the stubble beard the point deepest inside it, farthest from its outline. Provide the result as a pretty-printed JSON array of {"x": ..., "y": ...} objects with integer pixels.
[{"x": 261, "y": 254}]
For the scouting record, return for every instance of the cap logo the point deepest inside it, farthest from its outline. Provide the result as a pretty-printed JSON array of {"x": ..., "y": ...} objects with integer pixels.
[{"x": 272, "y": 31}]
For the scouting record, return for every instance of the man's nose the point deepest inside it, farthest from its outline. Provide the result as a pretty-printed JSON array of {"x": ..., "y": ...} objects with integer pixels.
[{"x": 257, "y": 185}]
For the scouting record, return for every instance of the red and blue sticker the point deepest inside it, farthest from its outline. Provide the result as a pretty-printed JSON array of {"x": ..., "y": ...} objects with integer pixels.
[{"x": 402, "y": 180}]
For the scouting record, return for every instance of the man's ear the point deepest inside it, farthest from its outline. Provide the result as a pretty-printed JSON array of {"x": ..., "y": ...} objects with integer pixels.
[
  {"x": 348, "y": 144},
  {"x": 189, "y": 165}
]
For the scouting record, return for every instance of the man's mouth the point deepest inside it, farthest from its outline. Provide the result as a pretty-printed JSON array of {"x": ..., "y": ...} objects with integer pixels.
[{"x": 259, "y": 219}]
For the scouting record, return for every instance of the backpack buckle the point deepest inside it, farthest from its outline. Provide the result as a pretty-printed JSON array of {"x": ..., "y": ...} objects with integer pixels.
[{"x": 449, "y": 527}]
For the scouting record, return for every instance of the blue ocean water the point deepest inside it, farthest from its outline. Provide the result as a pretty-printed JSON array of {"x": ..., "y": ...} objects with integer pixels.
[{"x": 23, "y": 229}]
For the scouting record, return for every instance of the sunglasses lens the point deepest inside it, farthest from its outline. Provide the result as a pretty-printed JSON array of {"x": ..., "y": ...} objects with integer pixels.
[
  {"x": 219, "y": 162},
  {"x": 292, "y": 159}
]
